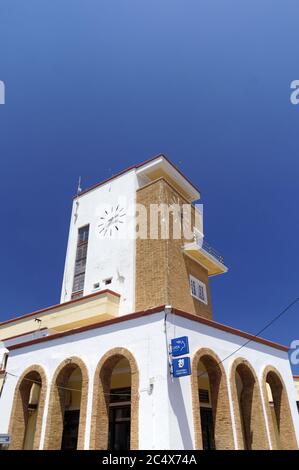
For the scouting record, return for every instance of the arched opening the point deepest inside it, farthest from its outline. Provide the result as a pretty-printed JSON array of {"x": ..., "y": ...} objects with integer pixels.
[
  {"x": 250, "y": 422},
  {"x": 27, "y": 412},
  {"x": 212, "y": 419},
  {"x": 278, "y": 412},
  {"x": 67, "y": 407},
  {"x": 115, "y": 403},
  {"x": 72, "y": 398},
  {"x": 207, "y": 417},
  {"x": 120, "y": 407},
  {"x": 245, "y": 386},
  {"x": 274, "y": 416}
]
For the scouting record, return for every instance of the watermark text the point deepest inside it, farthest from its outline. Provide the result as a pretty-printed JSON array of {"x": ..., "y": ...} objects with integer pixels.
[
  {"x": 2, "y": 92},
  {"x": 294, "y": 97}
]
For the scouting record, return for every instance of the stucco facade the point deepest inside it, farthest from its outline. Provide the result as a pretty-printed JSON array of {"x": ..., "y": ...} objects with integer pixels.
[{"x": 167, "y": 417}]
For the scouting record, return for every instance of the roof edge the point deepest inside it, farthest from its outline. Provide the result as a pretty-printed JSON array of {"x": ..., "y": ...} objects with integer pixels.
[
  {"x": 53, "y": 307},
  {"x": 133, "y": 316},
  {"x": 133, "y": 167}
]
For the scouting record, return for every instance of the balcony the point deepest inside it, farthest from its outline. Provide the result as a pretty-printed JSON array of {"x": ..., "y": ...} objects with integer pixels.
[
  {"x": 93, "y": 308},
  {"x": 203, "y": 253}
]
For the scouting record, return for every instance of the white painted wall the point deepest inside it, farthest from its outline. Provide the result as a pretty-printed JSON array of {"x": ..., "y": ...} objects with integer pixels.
[
  {"x": 223, "y": 344},
  {"x": 3, "y": 351},
  {"x": 165, "y": 416},
  {"x": 105, "y": 257}
]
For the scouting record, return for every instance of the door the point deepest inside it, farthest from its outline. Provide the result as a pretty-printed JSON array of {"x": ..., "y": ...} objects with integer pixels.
[
  {"x": 119, "y": 427},
  {"x": 70, "y": 430},
  {"x": 207, "y": 428}
]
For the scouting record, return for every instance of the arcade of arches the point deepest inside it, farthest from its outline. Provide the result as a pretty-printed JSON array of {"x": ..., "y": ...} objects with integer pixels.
[{"x": 115, "y": 405}]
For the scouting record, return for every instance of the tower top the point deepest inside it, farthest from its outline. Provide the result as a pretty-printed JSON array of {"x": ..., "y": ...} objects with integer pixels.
[{"x": 151, "y": 169}]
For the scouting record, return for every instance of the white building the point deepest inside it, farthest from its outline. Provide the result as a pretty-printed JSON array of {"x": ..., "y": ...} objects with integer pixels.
[{"x": 96, "y": 367}]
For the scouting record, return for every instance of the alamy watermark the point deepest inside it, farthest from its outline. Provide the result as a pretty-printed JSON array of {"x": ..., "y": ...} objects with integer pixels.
[
  {"x": 163, "y": 221},
  {"x": 294, "y": 97},
  {"x": 2, "y": 92},
  {"x": 154, "y": 221},
  {"x": 294, "y": 355}
]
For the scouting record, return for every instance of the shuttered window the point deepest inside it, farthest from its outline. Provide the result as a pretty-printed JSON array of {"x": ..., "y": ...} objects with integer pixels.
[{"x": 80, "y": 262}]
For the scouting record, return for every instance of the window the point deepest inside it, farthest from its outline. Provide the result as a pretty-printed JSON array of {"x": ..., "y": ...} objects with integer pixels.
[
  {"x": 198, "y": 289},
  {"x": 193, "y": 286},
  {"x": 78, "y": 282},
  {"x": 83, "y": 234},
  {"x": 107, "y": 281},
  {"x": 80, "y": 262},
  {"x": 81, "y": 252},
  {"x": 80, "y": 266}
]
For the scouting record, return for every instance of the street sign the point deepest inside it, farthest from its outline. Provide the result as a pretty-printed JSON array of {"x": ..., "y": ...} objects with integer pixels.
[
  {"x": 181, "y": 367},
  {"x": 179, "y": 346},
  {"x": 5, "y": 439}
]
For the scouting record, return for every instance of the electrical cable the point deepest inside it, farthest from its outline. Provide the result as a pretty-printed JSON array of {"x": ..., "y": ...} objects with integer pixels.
[
  {"x": 280, "y": 314},
  {"x": 67, "y": 388}
]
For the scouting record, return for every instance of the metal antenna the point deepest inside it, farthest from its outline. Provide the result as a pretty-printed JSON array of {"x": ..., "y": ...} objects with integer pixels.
[{"x": 79, "y": 189}]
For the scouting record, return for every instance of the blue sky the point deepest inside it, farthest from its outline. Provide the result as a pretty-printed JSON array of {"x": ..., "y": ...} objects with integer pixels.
[{"x": 95, "y": 86}]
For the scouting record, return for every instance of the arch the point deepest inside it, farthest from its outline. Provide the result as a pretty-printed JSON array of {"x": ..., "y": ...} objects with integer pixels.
[
  {"x": 57, "y": 403},
  {"x": 101, "y": 399},
  {"x": 248, "y": 407},
  {"x": 24, "y": 414},
  {"x": 219, "y": 400},
  {"x": 281, "y": 426}
]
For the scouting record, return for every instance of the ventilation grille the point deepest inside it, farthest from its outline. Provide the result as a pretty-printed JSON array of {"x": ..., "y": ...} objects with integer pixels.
[{"x": 203, "y": 395}]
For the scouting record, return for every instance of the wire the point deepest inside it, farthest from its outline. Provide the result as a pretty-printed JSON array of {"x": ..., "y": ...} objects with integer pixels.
[
  {"x": 68, "y": 388},
  {"x": 257, "y": 334}
]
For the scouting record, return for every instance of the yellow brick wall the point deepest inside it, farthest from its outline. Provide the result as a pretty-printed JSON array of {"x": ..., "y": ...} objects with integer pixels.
[{"x": 162, "y": 269}]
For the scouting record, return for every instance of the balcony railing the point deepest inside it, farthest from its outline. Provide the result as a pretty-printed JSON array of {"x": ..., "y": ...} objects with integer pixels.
[{"x": 198, "y": 238}]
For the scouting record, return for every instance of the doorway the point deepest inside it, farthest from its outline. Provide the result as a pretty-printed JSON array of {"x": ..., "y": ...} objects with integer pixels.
[{"x": 120, "y": 419}]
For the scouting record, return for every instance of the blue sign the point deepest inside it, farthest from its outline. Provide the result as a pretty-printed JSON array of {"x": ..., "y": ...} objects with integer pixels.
[
  {"x": 5, "y": 439},
  {"x": 179, "y": 346},
  {"x": 181, "y": 367}
]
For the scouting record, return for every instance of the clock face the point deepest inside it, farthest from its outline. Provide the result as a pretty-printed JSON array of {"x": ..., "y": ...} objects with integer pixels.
[{"x": 111, "y": 220}]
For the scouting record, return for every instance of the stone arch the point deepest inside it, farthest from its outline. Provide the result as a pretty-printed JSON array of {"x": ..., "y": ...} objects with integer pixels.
[
  {"x": 20, "y": 414},
  {"x": 222, "y": 423},
  {"x": 248, "y": 407},
  {"x": 101, "y": 399},
  {"x": 281, "y": 426},
  {"x": 58, "y": 397}
]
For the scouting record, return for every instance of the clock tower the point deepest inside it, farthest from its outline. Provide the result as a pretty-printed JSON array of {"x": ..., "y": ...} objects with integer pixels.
[{"x": 111, "y": 248}]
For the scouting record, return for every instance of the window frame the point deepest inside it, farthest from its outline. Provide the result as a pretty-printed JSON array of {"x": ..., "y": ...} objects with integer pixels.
[{"x": 193, "y": 281}]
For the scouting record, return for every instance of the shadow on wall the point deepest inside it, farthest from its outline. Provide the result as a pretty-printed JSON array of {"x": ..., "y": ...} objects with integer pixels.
[{"x": 178, "y": 407}]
